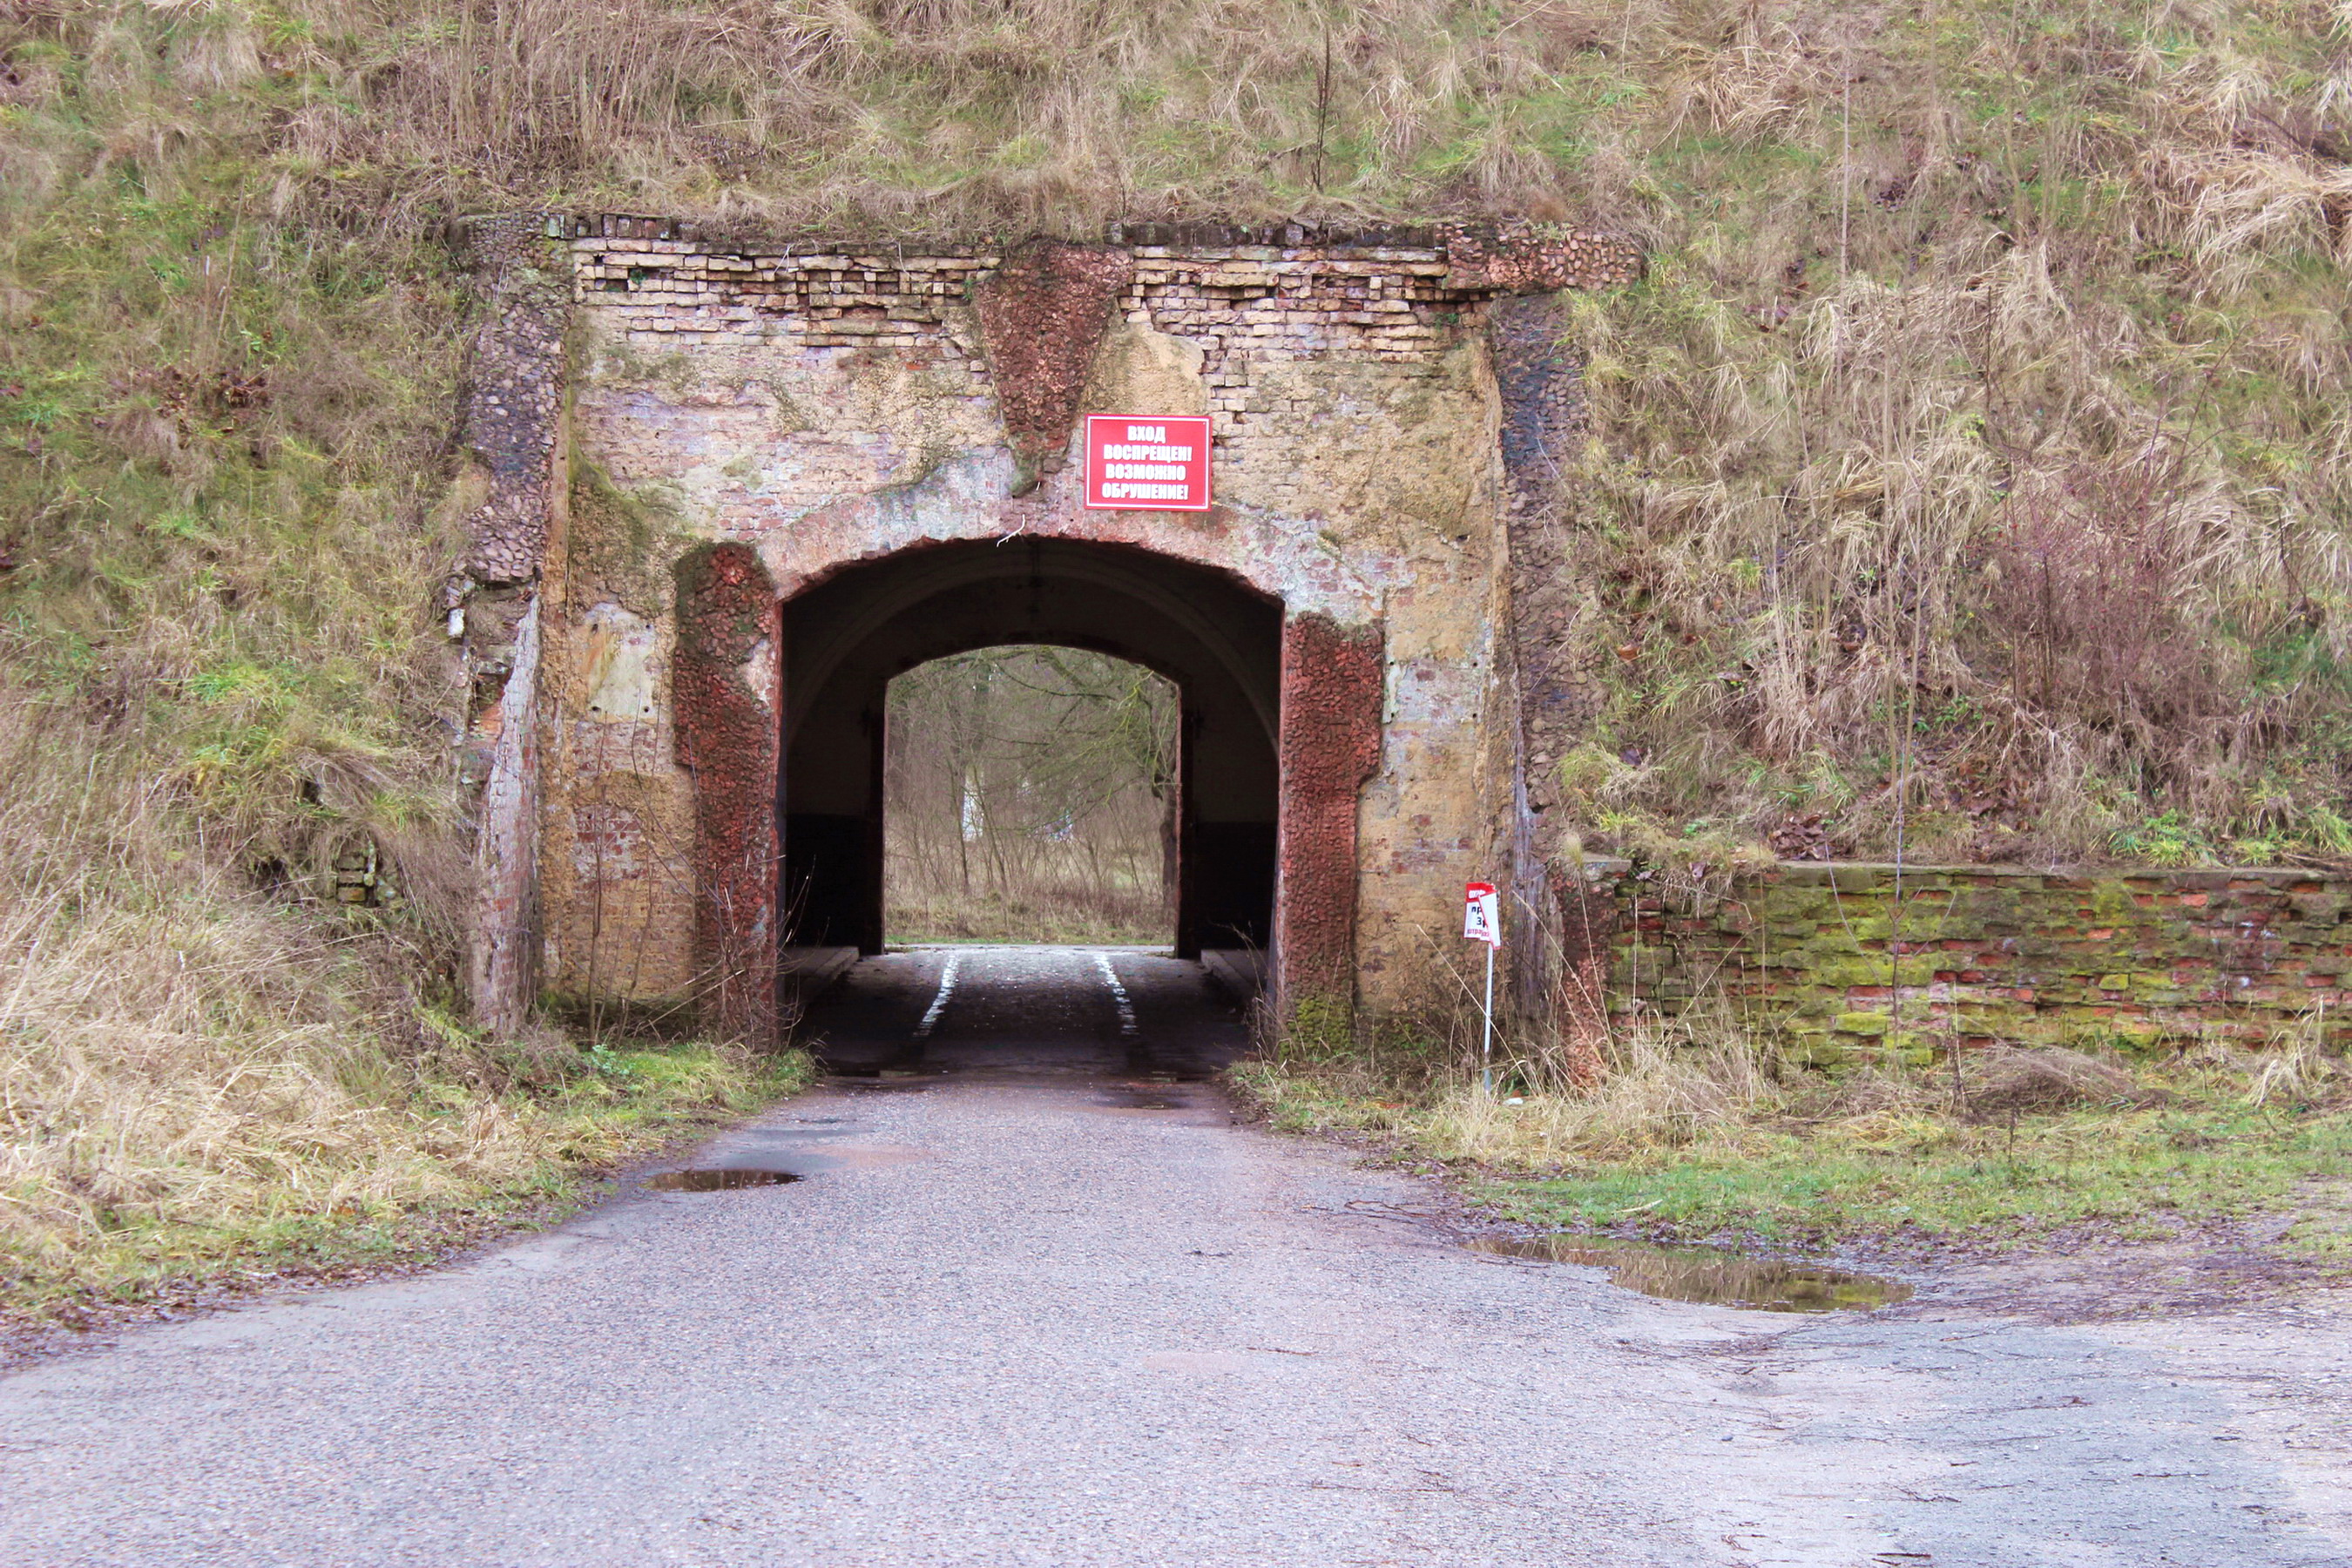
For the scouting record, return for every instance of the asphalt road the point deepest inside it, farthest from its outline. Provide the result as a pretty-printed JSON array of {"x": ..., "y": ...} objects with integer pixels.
[{"x": 1038, "y": 1299}]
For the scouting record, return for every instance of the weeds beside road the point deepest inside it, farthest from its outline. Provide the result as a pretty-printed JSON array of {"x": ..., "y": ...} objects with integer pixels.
[
  {"x": 353, "y": 1188},
  {"x": 1719, "y": 1141}
]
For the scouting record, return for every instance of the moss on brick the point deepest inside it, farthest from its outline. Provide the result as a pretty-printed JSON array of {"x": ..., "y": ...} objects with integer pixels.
[{"x": 2129, "y": 956}]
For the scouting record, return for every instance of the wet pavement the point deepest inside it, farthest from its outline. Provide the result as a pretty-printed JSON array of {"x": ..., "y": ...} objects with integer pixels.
[
  {"x": 1040, "y": 1012},
  {"x": 1037, "y": 1297}
]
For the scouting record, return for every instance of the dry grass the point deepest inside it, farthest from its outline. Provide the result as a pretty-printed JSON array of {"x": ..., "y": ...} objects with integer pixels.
[
  {"x": 1972, "y": 331},
  {"x": 1075, "y": 911},
  {"x": 194, "y": 1073},
  {"x": 2051, "y": 1078},
  {"x": 947, "y": 114},
  {"x": 1967, "y": 475}
]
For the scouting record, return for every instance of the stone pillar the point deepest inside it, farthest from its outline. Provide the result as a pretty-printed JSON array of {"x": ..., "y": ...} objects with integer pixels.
[
  {"x": 513, "y": 436},
  {"x": 1332, "y": 680},
  {"x": 502, "y": 970},
  {"x": 1543, "y": 418}
]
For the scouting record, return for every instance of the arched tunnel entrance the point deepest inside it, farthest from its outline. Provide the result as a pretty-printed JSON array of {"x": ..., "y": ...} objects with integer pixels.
[{"x": 843, "y": 641}]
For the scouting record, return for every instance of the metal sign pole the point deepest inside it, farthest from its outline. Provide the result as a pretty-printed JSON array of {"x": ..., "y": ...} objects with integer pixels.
[
  {"x": 1487, "y": 1046},
  {"x": 1482, "y": 920}
]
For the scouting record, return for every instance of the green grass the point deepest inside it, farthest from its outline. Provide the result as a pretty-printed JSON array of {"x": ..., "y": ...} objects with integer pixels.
[
  {"x": 1696, "y": 1142},
  {"x": 2142, "y": 1174}
]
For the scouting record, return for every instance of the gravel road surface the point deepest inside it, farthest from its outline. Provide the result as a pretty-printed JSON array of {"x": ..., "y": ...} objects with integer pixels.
[{"x": 1038, "y": 1299}]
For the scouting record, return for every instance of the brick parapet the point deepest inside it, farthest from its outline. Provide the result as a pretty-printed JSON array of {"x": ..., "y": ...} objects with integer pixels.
[
  {"x": 1268, "y": 321},
  {"x": 1825, "y": 957},
  {"x": 1258, "y": 313},
  {"x": 1321, "y": 297}
]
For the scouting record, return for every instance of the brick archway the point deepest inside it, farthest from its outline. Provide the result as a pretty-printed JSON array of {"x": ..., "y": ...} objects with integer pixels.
[{"x": 1281, "y": 719}]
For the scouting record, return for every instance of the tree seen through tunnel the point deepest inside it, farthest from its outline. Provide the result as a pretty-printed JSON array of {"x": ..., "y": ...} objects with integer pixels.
[{"x": 1031, "y": 794}]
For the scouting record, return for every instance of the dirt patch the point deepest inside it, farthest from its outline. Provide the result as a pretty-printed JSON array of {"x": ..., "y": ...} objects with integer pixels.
[{"x": 2095, "y": 1273}]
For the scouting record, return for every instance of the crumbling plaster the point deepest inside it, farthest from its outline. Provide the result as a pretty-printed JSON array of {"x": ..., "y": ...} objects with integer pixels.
[{"x": 775, "y": 414}]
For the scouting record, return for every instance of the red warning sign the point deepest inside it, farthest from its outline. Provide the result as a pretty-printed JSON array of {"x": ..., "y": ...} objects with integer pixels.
[
  {"x": 1147, "y": 462},
  {"x": 1482, "y": 913}
]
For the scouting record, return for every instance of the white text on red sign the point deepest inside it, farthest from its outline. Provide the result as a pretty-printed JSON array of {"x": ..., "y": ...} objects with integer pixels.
[{"x": 1147, "y": 462}]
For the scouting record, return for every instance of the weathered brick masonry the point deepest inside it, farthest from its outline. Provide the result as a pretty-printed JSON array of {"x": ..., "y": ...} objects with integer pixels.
[
  {"x": 727, "y": 615},
  {"x": 511, "y": 435},
  {"x": 828, "y": 406},
  {"x": 1826, "y": 957},
  {"x": 1330, "y": 748}
]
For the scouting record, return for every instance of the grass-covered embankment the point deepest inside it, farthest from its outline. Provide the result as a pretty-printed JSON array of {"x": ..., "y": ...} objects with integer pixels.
[
  {"x": 227, "y": 395},
  {"x": 208, "y": 1081},
  {"x": 361, "y": 1181},
  {"x": 1968, "y": 472}
]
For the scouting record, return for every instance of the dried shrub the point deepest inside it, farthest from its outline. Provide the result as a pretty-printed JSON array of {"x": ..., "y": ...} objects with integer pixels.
[
  {"x": 2048, "y": 1079},
  {"x": 2095, "y": 604}
]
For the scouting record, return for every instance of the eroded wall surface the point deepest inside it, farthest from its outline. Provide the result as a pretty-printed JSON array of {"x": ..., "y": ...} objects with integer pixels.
[
  {"x": 511, "y": 443},
  {"x": 813, "y": 407},
  {"x": 1834, "y": 961}
]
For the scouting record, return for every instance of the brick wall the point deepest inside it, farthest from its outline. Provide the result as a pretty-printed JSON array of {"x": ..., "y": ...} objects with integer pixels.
[
  {"x": 1286, "y": 291},
  {"x": 1825, "y": 956}
]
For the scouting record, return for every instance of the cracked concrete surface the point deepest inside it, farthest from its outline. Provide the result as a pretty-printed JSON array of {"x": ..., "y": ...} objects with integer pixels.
[{"x": 1043, "y": 1308}]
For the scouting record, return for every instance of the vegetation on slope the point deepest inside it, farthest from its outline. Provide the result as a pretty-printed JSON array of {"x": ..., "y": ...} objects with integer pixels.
[
  {"x": 1971, "y": 470},
  {"x": 1967, "y": 474},
  {"x": 198, "y": 1077}
]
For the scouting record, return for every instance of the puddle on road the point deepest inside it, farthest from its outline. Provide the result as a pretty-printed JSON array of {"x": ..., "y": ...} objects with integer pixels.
[
  {"x": 1143, "y": 1099},
  {"x": 1703, "y": 1274},
  {"x": 861, "y": 1083},
  {"x": 718, "y": 1180}
]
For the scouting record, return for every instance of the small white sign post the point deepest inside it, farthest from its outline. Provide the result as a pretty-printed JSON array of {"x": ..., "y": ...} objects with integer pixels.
[{"x": 1482, "y": 920}]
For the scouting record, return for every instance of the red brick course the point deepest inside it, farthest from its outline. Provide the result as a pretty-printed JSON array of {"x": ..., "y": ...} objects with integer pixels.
[
  {"x": 1332, "y": 679},
  {"x": 727, "y": 740}
]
